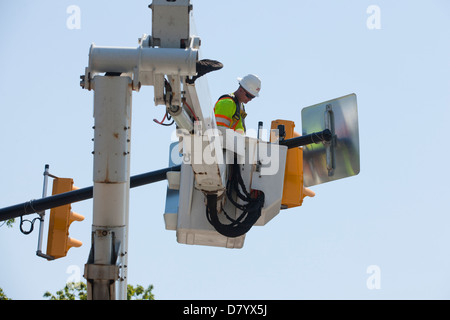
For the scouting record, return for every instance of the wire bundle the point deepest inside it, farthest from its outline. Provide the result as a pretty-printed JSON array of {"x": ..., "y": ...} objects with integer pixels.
[{"x": 251, "y": 209}]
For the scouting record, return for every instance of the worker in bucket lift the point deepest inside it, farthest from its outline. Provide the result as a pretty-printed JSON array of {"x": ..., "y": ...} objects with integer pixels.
[{"x": 229, "y": 109}]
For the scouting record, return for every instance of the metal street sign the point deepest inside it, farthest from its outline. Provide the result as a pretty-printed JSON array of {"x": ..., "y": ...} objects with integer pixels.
[{"x": 339, "y": 158}]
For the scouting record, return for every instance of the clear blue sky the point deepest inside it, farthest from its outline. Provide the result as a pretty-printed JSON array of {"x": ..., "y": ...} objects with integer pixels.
[{"x": 394, "y": 215}]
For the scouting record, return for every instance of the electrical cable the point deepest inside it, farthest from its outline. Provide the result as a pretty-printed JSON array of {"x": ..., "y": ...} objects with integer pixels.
[
  {"x": 167, "y": 95},
  {"x": 166, "y": 116},
  {"x": 31, "y": 227},
  {"x": 26, "y": 220},
  {"x": 190, "y": 109},
  {"x": 251, "y": 208}
]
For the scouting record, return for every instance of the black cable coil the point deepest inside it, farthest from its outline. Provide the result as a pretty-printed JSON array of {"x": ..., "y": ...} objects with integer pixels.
[{"x": 251, "y": 210}]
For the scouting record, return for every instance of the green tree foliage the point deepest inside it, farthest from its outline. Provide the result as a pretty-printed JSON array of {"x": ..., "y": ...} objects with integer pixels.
[
  {"x": 139, "y": 293},
  {"x": 78, "y": 291},
  {"x": 3, "y": 295},
  {"x": 9, "y": 223},
  {"x": 72, "y": 291}
]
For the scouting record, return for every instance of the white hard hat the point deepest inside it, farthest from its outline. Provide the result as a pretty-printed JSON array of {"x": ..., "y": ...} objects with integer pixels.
[{"x": 251, "y": 83}]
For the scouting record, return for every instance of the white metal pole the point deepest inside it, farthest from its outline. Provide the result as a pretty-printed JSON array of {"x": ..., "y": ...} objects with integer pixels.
[
  {"x": 42, "y": 217},
  {"x": 106, "y": 270}
]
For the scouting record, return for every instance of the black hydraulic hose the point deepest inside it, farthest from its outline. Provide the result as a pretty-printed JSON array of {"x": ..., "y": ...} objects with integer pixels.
[{"x": 251, "y": 211}]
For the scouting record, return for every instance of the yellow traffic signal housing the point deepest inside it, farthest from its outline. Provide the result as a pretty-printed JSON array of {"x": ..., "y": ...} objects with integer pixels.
[
  {"x": 59, "y": 242},
  {"x": 293, "y": 190}
]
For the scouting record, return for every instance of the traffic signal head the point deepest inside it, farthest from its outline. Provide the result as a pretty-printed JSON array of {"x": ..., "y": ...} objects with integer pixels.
[
  {"x": 293, "y": 190},
  {"x": 59, "y": 242}
]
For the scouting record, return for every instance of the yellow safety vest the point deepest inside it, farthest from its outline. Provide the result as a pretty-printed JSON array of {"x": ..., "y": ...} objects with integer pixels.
[{"x": 230, "y": 113}]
